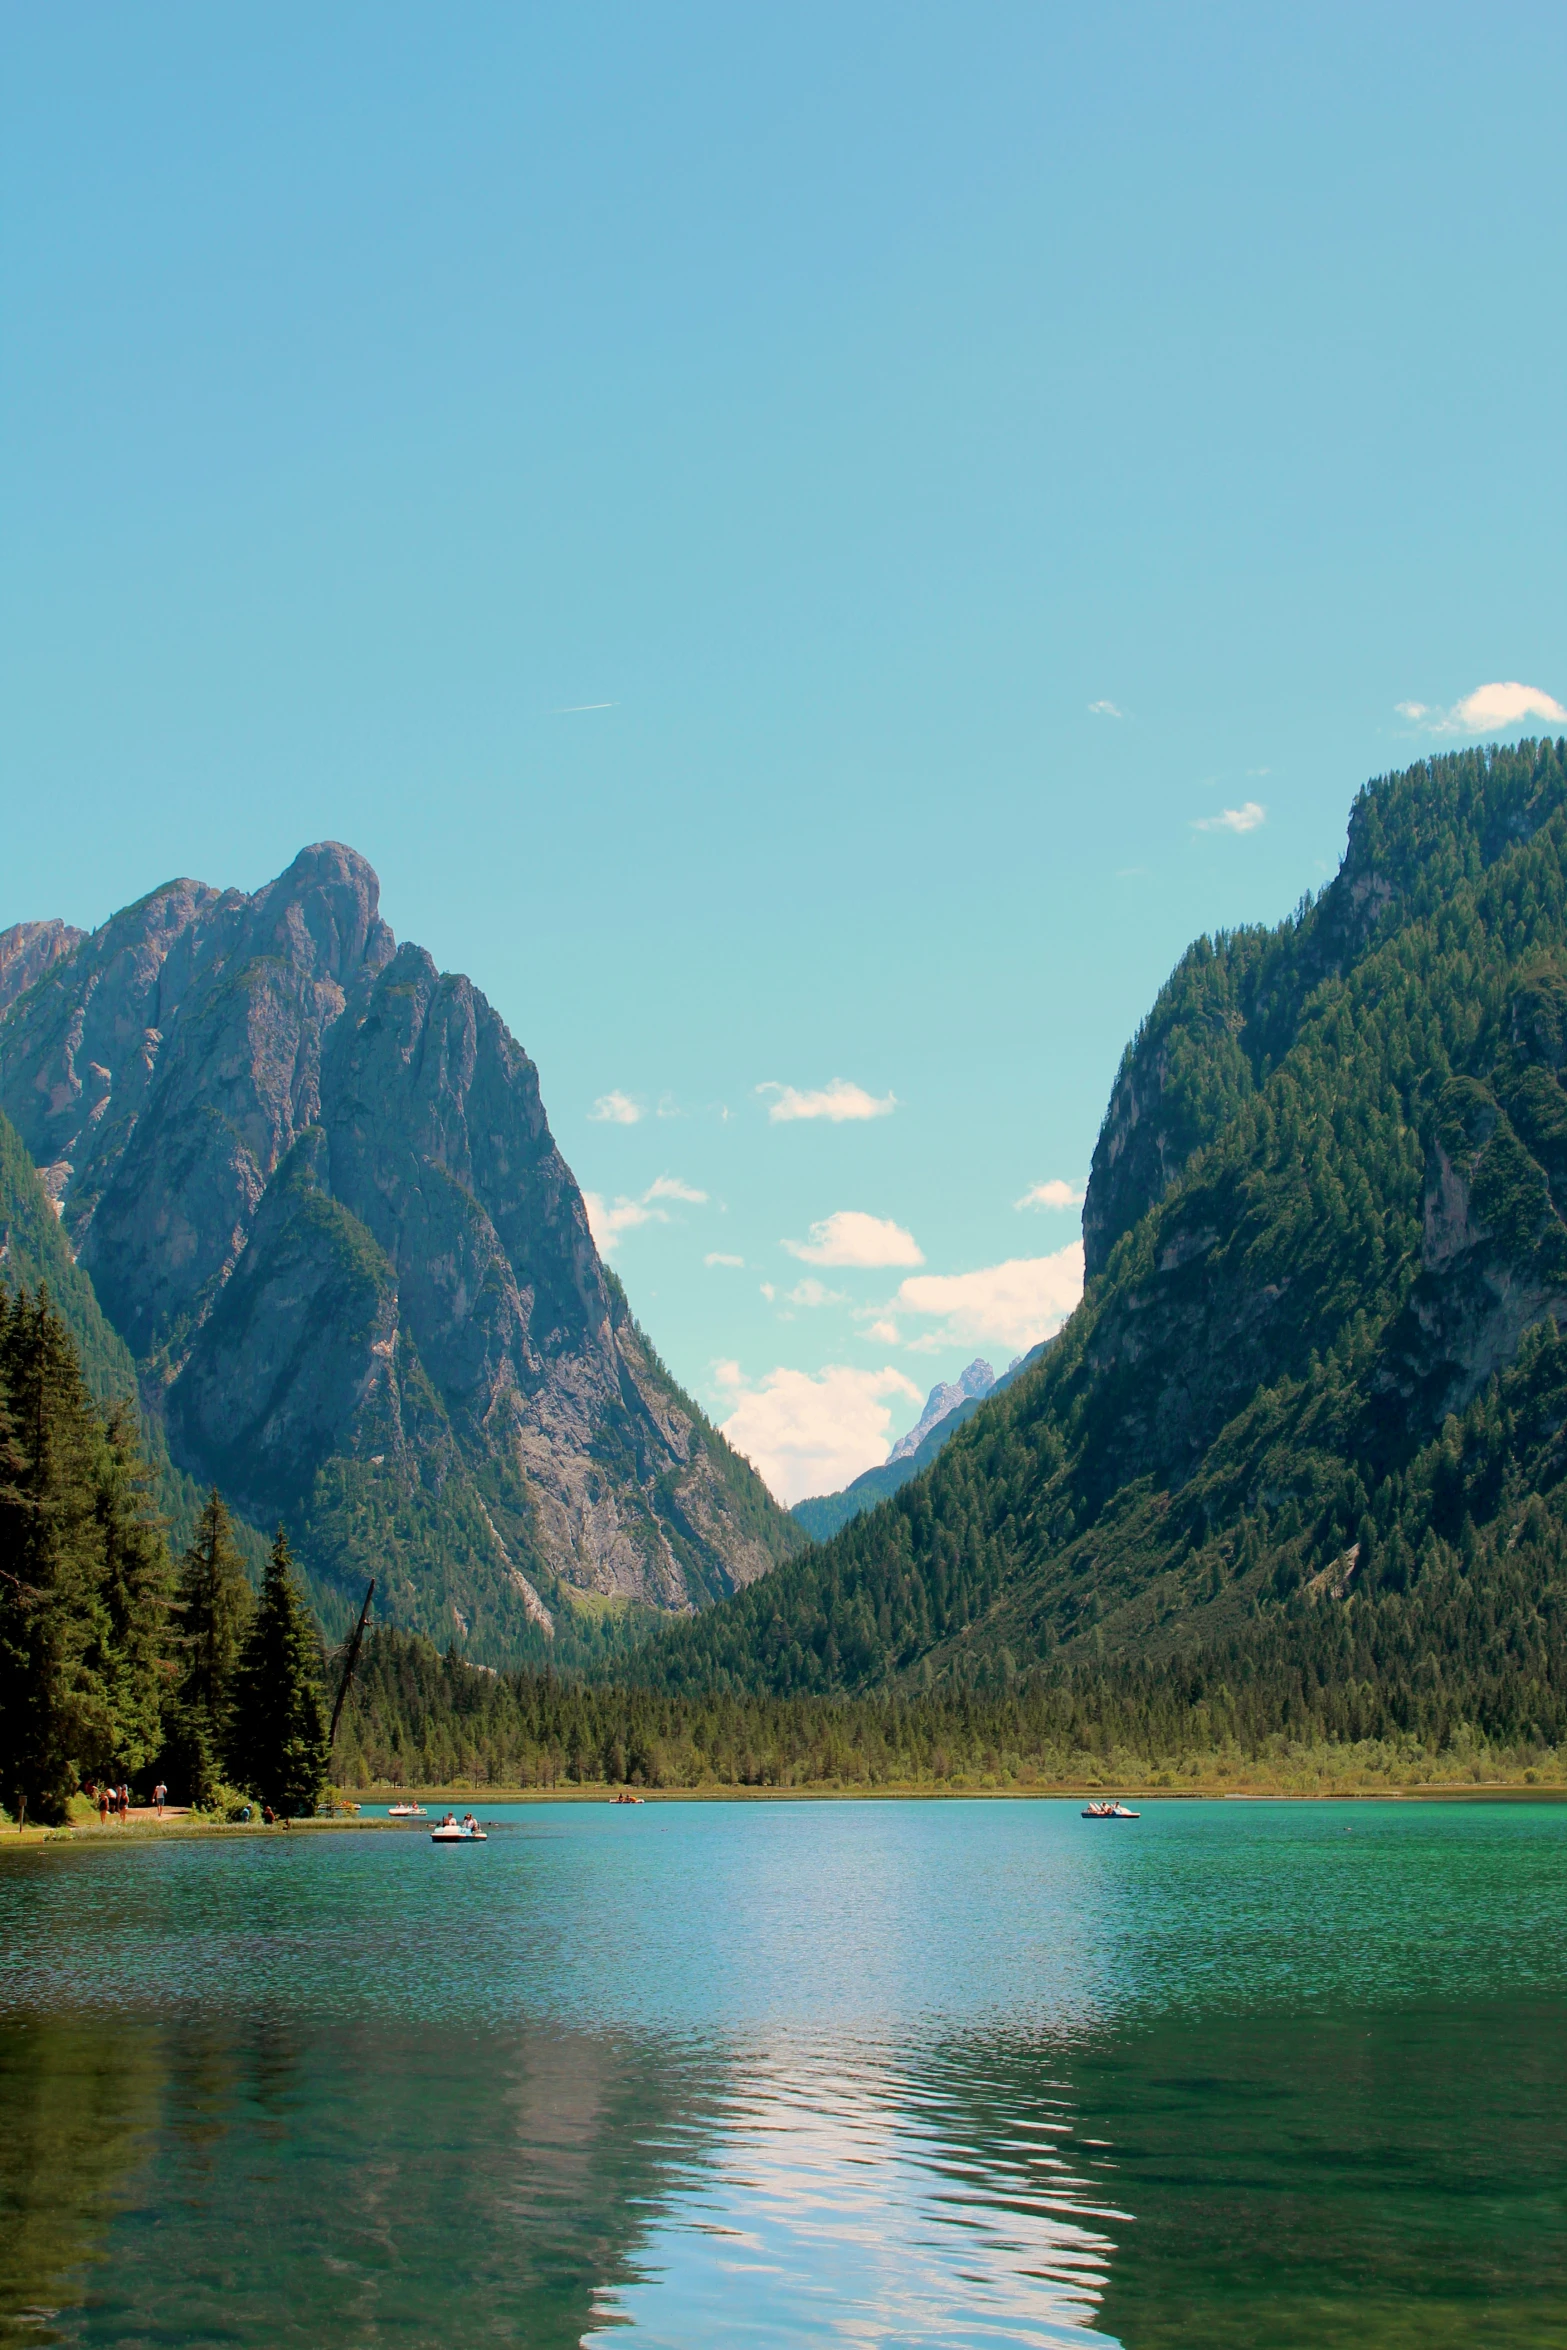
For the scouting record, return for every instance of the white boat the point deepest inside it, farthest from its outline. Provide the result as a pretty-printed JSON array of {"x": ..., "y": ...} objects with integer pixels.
[
  {"x": 1109, "y": 1811},
  {"x": 453, "y": 1831},
  {"x": 406, "y": 1811}
]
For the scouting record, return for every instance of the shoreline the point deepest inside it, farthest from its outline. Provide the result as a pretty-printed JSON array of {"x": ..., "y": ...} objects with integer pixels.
[
  {"x": 145, "y": 1831},
  {"x": 1427, "y": 1791}
]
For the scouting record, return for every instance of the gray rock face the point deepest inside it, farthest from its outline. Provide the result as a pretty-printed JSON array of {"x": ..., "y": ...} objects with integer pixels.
[
  {"x": 28, "y": 950},
  {"x": 943, "y": 1399},
  {"x": 315, "y": 1187}
]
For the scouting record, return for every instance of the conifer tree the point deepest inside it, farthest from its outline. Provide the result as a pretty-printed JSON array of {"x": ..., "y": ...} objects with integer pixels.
[
  {"x": 280, "y": 1741},
  {"x": 134, "y": 1588},
  {"x": 213, "y": 1608},
  {"x": 55, "y": 1631}
]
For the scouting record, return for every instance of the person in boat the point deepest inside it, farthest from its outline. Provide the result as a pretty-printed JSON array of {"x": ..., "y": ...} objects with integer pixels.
[{"x": 470, "y": 1824}]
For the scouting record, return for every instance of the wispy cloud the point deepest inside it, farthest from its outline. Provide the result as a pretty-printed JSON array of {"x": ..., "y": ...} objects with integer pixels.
[
  {"x": 811, "y": 1292},
  {"x": 1054, "y": 1194},
  {"x": 671, "y": 1187},
  {"x": 716, "y": 1257},
  {"x": 1105, "y": 710},
  {"x": 851, "y": 1238},
  {"x": 608, "y": 1222},
  {"x": 576, "y": 709},
  {"x": 884, "y": 1331},
  {"x": 1244, "y": 819},
  {"x": 1012, "y": 1305},
  {"x": 810, "y": 1432},
  {"x": 616, "y": 1109},
  {"x": 1490, "y": 709},
  {"x": 837, "y": 1101}
]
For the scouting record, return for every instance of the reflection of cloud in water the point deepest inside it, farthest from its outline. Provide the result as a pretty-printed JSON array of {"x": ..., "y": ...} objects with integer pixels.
[{"x": 856, "y": 2199}]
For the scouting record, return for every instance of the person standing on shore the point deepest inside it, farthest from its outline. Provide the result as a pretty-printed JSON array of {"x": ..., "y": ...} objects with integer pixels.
[
  {"x": 103, "y": 1806},
  {"x": 158, "y": 1794},
  {"x": 125, "y": 1805}
]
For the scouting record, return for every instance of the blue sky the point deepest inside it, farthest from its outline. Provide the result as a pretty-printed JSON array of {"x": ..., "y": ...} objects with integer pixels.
[{"x": 783, "y": 535}]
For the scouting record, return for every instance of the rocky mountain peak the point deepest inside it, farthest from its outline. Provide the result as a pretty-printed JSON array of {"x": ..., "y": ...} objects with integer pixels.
[
  {"x": 945, "y": 1397},
  {"x": 28, "y": 950},
  {"x": 313, "y": 1182}
]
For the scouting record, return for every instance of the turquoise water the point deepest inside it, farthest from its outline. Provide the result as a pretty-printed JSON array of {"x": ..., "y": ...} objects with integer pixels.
[{"x": 851, "y": 2073}]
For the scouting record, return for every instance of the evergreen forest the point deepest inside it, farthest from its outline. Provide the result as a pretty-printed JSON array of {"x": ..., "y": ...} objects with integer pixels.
[{"x": 119, "y": 1666}]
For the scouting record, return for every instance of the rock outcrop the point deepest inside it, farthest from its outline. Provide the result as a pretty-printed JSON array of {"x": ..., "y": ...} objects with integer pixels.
[
  {"x": 28, "y": 950},
  {"x": 313, "y": 1182}
]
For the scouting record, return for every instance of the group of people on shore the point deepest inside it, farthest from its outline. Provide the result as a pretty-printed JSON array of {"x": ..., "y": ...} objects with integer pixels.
[{"x": 115, "y": 1802}]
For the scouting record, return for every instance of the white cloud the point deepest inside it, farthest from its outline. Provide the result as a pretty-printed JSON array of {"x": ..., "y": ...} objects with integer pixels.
[
  {"x": 716, "y": 1257},
  {"x": 607, "y": 1224},
  {"x": 1490, "y": 709},
  {"x": 1012, "y": 1305},
  {"x": 1104, "y": 710},
  {"x": 850, "y": 1238},
  {"x": 837, "y": 1101},
  {"x": 1054, "y": 1194},
  {"x": 769, "y": 1292},
  {"x": 671, "y": 1187},
  {"x": 1244, "y": 819},
  {"x": 615, "y": 1109},
  {"x": 811, "y": 1292},
  {"x": 885, "y": 1332},
  {"x": 810, "y": 1432}
]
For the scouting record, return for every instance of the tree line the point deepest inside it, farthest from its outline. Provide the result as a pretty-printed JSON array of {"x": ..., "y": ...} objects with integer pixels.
[{"x": 116, "y": 1661}]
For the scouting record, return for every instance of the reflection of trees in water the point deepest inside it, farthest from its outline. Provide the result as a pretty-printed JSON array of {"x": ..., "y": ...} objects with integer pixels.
[
  {"x": 1316, "y": 2183},
  {"x": 78, "y": 2096},
  {"x": 1256, "y": 2183},
  {"x": 361, "y": 2184}
]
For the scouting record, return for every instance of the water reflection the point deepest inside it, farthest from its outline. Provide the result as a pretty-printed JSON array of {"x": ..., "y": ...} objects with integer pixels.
[
  {"x": 935, "y": 2076},
  {"x": 77, "y": 2095},
  {"x": 850, "y": 2199}
]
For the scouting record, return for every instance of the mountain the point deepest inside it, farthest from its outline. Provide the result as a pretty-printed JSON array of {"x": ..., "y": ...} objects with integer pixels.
[
  {"x": 944, "y": 1398},
  {"x": 34, "y": 1254},
  {"x": 825, "y": 1513},
  {"x": 947, "y": 1406},
  {"x": 1306, "y": 1427},
  {"x": 28, "y": 950},
  {"x": 311, "y": 1180}
]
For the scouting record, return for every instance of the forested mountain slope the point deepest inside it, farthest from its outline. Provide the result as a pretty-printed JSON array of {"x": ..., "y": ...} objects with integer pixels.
[
  {"x": 1310, "y": 1420},
  {"x": 312, "y": 1181}
]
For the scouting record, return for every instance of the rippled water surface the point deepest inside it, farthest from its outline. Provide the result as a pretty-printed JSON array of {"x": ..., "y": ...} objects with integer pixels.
[{"x": 1240, "y": 2075}]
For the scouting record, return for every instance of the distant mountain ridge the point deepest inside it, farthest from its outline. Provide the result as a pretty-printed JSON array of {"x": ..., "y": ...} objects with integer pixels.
[
  {"x": 976, "y": 1382},
  {"x": 313, "y": 1184},
  {"x": 946, "y": 1409}
]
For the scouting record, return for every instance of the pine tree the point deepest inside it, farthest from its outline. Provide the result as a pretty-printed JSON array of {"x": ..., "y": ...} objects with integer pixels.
[
  {"x": 280, "y": 1741},
  {"x": 213, "y": 1608},
  {"x": 135, "y": 1590},
  {"x": 56, "y": 1719}
]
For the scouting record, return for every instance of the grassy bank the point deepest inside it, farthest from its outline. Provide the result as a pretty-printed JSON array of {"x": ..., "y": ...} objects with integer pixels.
[{"x": 1300, "y": 1772}]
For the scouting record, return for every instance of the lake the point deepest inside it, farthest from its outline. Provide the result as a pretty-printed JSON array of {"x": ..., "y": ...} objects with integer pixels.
[{"x": 1238, "y": 2076}]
